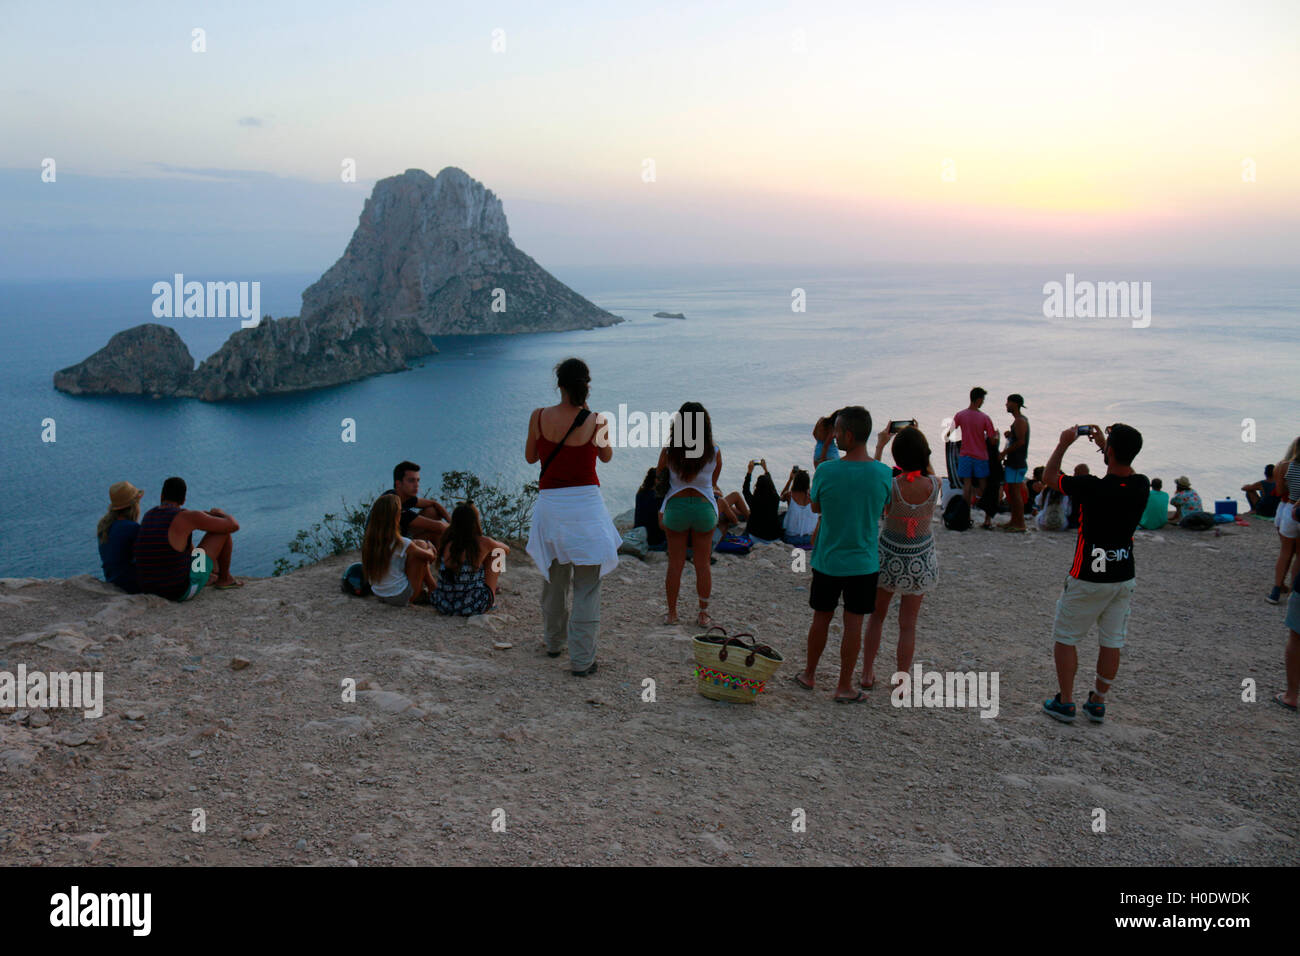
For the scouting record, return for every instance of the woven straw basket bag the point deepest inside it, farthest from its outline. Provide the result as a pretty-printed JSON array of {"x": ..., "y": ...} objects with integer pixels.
[{"x": 732, "y": 669}]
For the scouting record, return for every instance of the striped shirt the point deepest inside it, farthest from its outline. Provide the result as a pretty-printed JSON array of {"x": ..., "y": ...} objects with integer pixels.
[
  {"x": 1292, "y": 480},
  {"x": 160, "y": 568}
]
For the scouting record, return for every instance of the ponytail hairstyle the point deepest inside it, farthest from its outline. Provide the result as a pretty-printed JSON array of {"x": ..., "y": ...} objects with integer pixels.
[
  {"x": 381, "y": 537},
  {"x": 574, "y": 378}
]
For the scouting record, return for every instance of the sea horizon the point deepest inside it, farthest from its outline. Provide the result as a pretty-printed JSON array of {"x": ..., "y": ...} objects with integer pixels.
[{"x": 764, "y": 371}]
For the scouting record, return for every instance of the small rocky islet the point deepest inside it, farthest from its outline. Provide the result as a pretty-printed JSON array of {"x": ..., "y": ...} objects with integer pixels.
[{"x": 430, "y": 256}]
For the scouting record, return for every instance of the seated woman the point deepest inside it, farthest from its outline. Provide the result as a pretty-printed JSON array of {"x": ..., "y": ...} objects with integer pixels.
[
  {"x": 764, "y": 504},
  {"x": 471, "y": 565},
  {"x": 117, "y": 532},
  {"x": 648, "y": 501},
  {"x": 800, "y": 522},
  {"x": 396, "y": 567},
  {"x": 1051, "y": 514},
  {"x": 732, "y": 509}
]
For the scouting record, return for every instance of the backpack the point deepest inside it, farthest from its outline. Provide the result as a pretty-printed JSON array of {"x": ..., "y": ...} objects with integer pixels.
[
  {"x": 956, "y": 517},
  {"x": 354, "y": 581},
  {"x": 735, "y": 544}
]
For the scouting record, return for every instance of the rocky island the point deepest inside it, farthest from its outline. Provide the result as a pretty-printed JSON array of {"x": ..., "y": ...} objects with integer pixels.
[
  {"x": 669, "y": 315},
  {"x": 430, "y": 256}
]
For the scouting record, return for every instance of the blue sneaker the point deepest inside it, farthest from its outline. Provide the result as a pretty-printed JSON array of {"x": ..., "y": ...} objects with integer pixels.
[
  {"x": 1274, "y": 596},
  {"x": 1096, "y": 711},
  {"x": 1062, "y": 712}
]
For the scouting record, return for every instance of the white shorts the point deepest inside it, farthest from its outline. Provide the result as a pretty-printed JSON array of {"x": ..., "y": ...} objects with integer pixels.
[
  {"x": 1285, "y": 521},
  {"x": 1084, "y": 603}
]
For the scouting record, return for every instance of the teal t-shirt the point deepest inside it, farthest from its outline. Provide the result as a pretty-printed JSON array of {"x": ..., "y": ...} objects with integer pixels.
[
  {"x": 851, "y": 495},
  {"x": 1157, "y": 511}
]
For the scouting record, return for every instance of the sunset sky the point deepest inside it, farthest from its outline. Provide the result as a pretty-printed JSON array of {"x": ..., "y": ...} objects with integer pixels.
[{"x": 817, "y": 132}]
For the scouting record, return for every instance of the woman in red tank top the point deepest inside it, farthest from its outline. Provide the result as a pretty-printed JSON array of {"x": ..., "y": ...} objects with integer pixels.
[{"x": 571, "y": 539}]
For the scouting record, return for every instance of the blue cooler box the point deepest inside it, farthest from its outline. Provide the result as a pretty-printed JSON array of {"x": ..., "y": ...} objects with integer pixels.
[{"x": 1226, "y": 506}]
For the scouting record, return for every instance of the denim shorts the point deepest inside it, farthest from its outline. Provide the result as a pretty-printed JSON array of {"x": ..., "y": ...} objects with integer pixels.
[
  {"x": 1014, "y": 476},
  {"x": 970, "y": 467}
]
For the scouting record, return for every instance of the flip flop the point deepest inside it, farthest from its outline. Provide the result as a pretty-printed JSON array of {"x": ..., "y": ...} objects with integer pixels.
[
  {"x": 798, "y": 679},
  {"x": 871, "y": 686},
  {"x": 860, "y": 698},
  {"x": 1277, "y": 699},
  {"x": 228, "y": 587}
]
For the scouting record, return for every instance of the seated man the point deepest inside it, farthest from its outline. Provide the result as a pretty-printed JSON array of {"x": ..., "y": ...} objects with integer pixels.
[
  {"x": 1262, "y": 495},
  {"x": 422, "y": 518},
  {"x": 1185, "y": 501},
  {"x": 1156, "y": 514},
  {"x": 166, "y": 562}
]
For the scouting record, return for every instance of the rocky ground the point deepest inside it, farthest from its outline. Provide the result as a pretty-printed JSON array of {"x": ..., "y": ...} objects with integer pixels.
[{"x": 450, "y": 732}]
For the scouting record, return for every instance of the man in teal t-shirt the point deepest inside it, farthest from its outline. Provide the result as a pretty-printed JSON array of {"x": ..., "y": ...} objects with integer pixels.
[
  {"x": 849, "y": 494},
  {"x": 1156, "y": 514}
]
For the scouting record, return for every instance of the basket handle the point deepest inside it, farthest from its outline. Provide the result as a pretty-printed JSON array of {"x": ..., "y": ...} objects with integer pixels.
[{"x": 736, "y": 639}]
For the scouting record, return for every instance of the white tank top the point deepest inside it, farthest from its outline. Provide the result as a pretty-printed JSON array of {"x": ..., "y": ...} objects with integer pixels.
[
  {"x": 799, "y": 519},
  {"x": 702, "y": 482}
]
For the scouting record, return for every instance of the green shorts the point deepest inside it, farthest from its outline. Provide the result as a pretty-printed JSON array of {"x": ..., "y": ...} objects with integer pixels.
[
  {"x": 198, "y": 578},
  {"x": 1083, "y": 603},
  {"x": 683, "y": 513}
]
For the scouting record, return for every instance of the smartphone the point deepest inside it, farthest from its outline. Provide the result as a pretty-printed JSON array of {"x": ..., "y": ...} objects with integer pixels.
[
  {"x": 896, "y": 427},
  {"x": 1085, "y": 430}
]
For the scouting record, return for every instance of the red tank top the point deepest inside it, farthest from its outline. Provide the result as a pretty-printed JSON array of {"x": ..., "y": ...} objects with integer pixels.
[{"x": 575, "y": 464}]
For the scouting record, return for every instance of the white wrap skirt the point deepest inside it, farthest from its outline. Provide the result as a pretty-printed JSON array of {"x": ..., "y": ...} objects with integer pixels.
[{"x": 572, "y": 526}]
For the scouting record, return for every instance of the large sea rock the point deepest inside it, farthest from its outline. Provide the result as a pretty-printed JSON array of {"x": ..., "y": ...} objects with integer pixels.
[
  {"x": 430, "y": 256},
  {"x": 145, "y": 360}
]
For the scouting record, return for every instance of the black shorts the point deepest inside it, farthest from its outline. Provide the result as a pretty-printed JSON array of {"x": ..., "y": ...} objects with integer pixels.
[
  {"x": 859, "y": 592},
  {"x": 408, "y": 515}
]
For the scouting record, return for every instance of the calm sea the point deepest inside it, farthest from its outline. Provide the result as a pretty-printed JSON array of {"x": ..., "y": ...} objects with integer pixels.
[{"x": 906, "y": 341}]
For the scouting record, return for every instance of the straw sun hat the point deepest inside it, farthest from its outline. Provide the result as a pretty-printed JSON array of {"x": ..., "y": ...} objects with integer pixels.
[{"x": 123, "y": 494}]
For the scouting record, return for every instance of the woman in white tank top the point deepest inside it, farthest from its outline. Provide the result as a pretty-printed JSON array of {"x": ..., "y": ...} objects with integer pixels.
[
  {"x": 689, "y": 512},
  {"x": 800, "y": 522}
]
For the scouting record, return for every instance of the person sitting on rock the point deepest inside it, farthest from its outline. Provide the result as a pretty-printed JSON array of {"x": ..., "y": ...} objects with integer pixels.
[
  {"x": 471, "y": 565},
  {"x": 422, "y": 518},
  {"x": 764, "y": 504},
  {"x": 648, "y": 500},
  {"x": 1262, "y": 495},
  {"x": 799, "y": 522},
  {"x": 397, "y": 567},
  {"x": 117, "y": 532},
  {"x": 1185, "y": 501},
  {"x": 166, "y": 562}
]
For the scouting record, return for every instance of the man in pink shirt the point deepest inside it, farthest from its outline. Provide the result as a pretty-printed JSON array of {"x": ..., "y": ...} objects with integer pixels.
[{"x": 973, "y": 459}]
